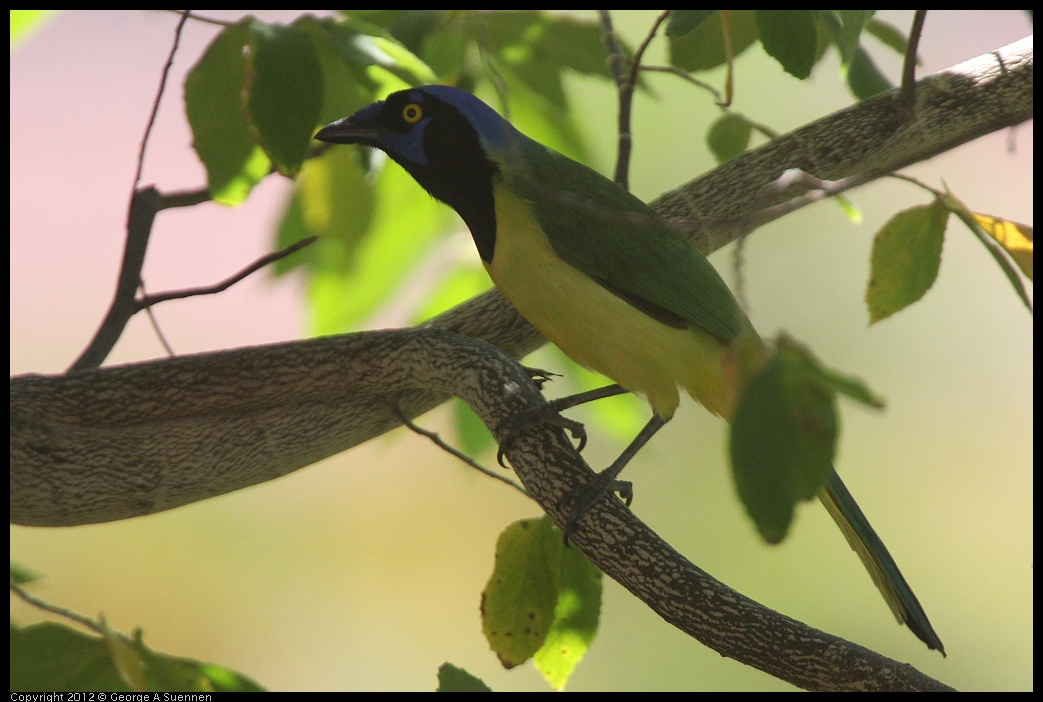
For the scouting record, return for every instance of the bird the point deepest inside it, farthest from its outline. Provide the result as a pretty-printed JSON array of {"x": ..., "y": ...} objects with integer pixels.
[{"x": 590, "y": 265}]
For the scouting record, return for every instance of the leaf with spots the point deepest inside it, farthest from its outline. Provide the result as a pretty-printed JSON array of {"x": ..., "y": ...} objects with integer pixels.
[{"x": 519, "y": 600}]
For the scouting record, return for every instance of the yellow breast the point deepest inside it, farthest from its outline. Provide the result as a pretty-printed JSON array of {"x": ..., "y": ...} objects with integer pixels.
[{"x": 596, "y": 328}]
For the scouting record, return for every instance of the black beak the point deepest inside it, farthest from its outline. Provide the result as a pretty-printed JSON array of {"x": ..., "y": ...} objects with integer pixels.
[{"x": 350, "y": 130}]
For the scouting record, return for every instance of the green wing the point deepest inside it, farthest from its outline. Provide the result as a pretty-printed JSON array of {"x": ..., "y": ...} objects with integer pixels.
[{"x": 614, "y": 237}]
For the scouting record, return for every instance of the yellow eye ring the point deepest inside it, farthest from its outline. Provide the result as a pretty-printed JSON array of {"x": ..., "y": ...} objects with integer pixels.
[{"x": 412, "y": 113}]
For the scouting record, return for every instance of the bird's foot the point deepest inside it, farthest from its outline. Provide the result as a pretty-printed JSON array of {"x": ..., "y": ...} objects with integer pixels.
[
  {"x": 584, "y": 497},
  {"x": 547, "y": 414},
  {"x": 539, "y": 376}
]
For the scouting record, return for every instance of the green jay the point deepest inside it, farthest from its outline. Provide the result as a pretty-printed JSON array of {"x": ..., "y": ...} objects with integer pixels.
[{"x": 600, "y": 274}]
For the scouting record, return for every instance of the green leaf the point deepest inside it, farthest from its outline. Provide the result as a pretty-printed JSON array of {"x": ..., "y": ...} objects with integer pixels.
[
  {"x": 283, "y": 92},
  {"x": 546, "y": 121},
  {"x": 682, "y": 22},
  {"x": 20, "y": 575},
  {"x": 359, "y": 273},
  {"x": 555, "y": 42},
  {"x": 576, "y": 618},
  {"x": 703, "y": 48},
  {"x": 213, "y": 103},
  {"x": 790, "y": 37},
  {"x": 347, "y": 83},
  {"x": 907, "y": 253},
  {"x": 453, "y": 679},
  {"x": 53, "y": 657},
  {"x": 519, "y": 601},
  {"x": 850, "y": 209},
  {"x": 852, "y": 387},
  {"x": 396, "y": 60},
  {"x": 537, "y": 48},
  {"x": 783, "y": 438},
  {"x": 864, "y": 78},
  {"x": 473, "y": 435},
  {"x": 729, "y": 137},
  {"x": 1005, "y": 266},
  {"x": 575, "y": 44},
  {"x": 445, "y": 50},
  {"x": 334, "y": 201},
  {"x": 361, "y": 63},
  {"x": 847, "y": 38},
  {"x": 889, "y": 36},
  {"x": 465, "y": 280},
  {"x": 409, "y": 27}
]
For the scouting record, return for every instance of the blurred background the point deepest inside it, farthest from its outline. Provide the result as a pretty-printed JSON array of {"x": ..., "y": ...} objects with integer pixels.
[{"x": 364, "y": 572}]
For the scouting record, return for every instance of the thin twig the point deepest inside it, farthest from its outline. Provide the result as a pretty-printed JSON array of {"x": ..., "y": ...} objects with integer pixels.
[
  {"x": 434, "y": 437},
  {"x": 729, "y": 55},
  {"x": 819, "y": 190},
  {"x": 635, "y": 65},
  {"x": 626, "y": 85},
  {"x": 146, "y": 302},
  {"x": 206, "y": 20},
  {"x": 681, "y": 73},
  {"x": 155, "y": 326},
  {"x": 159, "y": 95},
  {"x": 615, "y": 59},
  {"x": 60, "y": 611},
  {"x": 615, "y": 54},
  {"x": 141, "y": 213},
  {"x": 184, "y": 198},
  {"x": 909, "y": 66}
]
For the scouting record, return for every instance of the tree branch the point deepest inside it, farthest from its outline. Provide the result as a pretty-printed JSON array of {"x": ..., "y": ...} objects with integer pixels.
[
  {"x": 869, "y": 139},
  {"x": 294, "y": 404}
]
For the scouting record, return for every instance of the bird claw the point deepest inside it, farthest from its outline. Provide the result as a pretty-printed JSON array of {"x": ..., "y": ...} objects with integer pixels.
[
  {"x": 540, "y": 415},
  {"x": 539, "y": 376},
  {"x": 585, "y": 496}
]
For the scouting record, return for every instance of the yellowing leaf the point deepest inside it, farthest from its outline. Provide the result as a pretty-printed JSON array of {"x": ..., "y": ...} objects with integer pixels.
[
  {"x": 127, "y": 660},
  {"x": 1001, "y": 252},
  {"x": 1015, "y": 238}
]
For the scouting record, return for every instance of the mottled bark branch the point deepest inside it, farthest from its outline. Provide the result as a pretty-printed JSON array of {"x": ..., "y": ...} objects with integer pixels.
[{"x": 865, "y": 141}]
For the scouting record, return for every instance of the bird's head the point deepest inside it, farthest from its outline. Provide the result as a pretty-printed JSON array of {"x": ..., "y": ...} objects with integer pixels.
[
  {"x": 451, "y": 142},
  {"x": 437, "y": 133}
]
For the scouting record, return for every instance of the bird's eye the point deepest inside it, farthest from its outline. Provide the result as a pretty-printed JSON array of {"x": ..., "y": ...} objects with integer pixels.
[{"x": 412, "y": 113}]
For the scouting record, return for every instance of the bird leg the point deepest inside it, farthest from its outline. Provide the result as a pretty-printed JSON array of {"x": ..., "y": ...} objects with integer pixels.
[
  {"x": 586, "y": 496},
  {"x": 550, "y": 413}
]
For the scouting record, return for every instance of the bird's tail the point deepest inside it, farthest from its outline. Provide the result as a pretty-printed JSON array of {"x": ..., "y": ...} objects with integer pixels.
[{"x": 884, "y": 571}]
